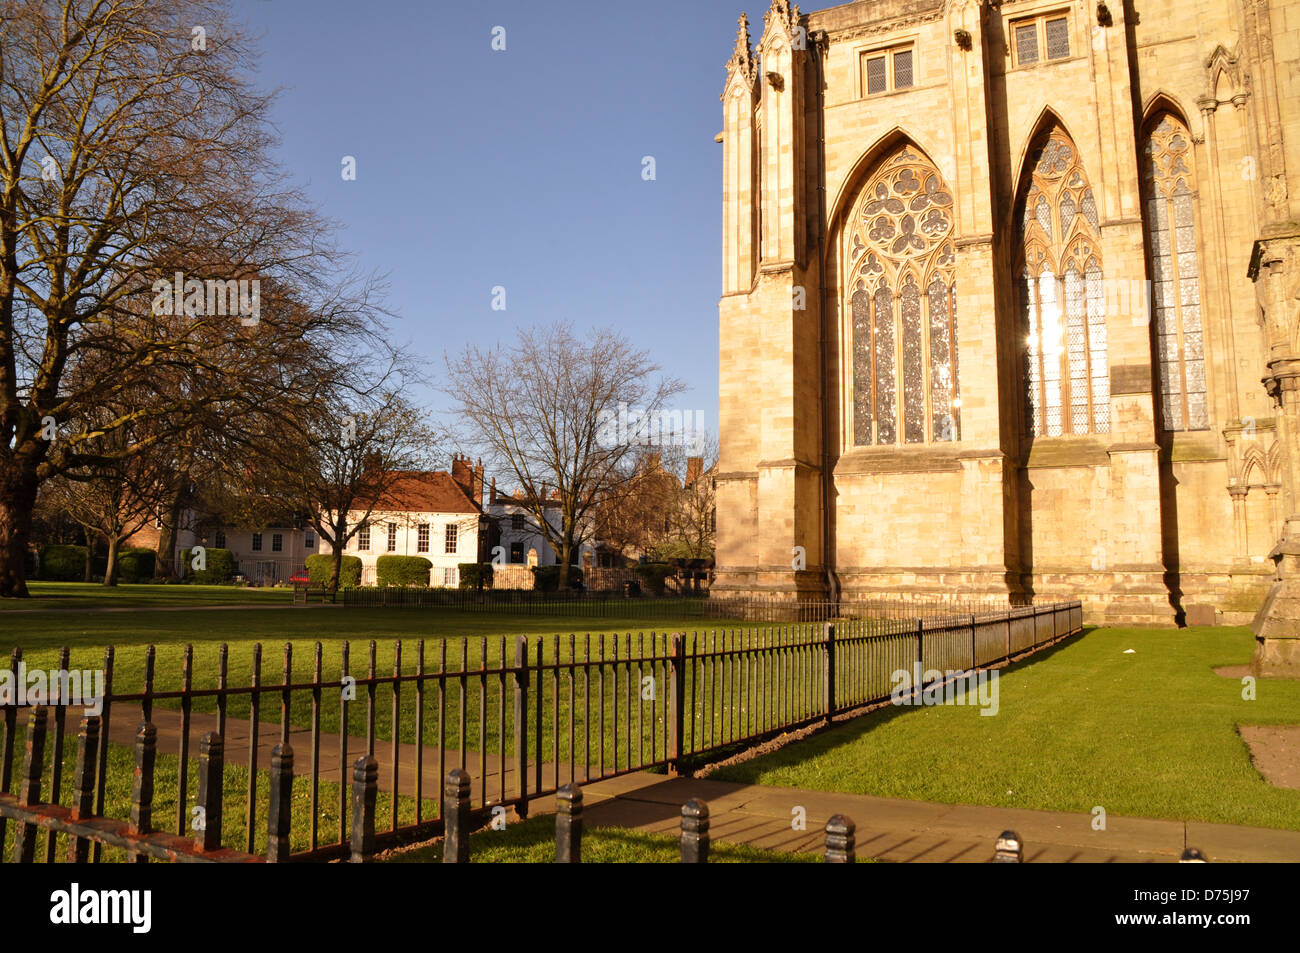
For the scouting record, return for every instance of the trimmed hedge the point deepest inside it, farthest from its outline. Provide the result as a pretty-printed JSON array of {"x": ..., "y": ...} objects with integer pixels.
[
  {"x": 319, "y": 566},
  {"x": 475, "y": 575},
  {"x": 547, "y": 578},
  {"x": 653, "y": 576},
  {"x": 402, "y": 570},
  {"x": 63, "y": 563},
  {"x": 136, "y": 565},
  {"x": 220, "y": 567}
]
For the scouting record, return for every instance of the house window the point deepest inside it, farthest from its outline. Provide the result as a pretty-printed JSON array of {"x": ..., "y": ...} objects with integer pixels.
[
  {"x": 1062, "y": 301},
  {"x": 517, "y": 522},
  {"x": 392, "y": 537},
  {"x": 309, "y": 540},
  {"x": 1045, "y": 37},
  {"x": 901, "y": 304},
  {"x": 219, "y": 539},
  {"x": 516, "y": 552},
  {"x": 449, "y": 538},
  {"x": 363, "y": 539},
  {"x": 422, "y": 538},
  {"x": 1169, "y": 186},
  {"x": 885, "y": 70},
  {"x": 277, "y": 542},
  {"x": 449, "y": 576},
  {"x": 257, "y": 542}
]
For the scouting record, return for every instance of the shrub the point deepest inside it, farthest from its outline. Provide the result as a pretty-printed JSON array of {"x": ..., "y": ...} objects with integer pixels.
[
  {"x": 653, "y": 576},
  {"x": 136, "y": 565},
  {"x": 62, "y": 563},
  {"x": 401, "y": 570},
  {"x": 319, "y": 566},
  {"x": 547, "y": 578},
  {"x": 475, "y": 575},
  {"x": 220, "y": 567}
]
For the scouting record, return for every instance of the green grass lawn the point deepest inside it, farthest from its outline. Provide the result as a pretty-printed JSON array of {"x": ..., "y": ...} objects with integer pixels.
[
  {"x": 89, "y": 595},
  {"x": 533, "y": 842},
  {"x": 476, "y": 637},
  {"x": 1151, "y": 734}
]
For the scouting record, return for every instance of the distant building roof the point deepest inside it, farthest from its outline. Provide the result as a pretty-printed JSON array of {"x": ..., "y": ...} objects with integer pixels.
[{"x": 431, "y": 491}]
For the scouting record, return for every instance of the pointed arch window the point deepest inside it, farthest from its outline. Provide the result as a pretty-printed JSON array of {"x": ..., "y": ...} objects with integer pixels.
[
  {"x": 901, "y": 287},
  {"x": 1169, "y": 194},
  {"x": 1062, "y": 300}
]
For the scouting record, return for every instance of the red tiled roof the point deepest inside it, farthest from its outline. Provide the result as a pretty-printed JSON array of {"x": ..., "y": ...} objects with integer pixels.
[{"x": 424, "y": 492}]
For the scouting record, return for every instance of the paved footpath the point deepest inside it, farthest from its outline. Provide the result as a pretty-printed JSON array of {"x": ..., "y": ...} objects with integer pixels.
[
  {"x": 889, "y": 829},
  {"x": 903, "y": 831}
]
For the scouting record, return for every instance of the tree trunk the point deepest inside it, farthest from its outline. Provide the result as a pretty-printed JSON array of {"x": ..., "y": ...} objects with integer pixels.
[
  {"x": 337, "y": 565},
  {"x": 90, "y": 555},
  {"x": 167, "y": 537},
  {"x": 17, "y": 497},
  {"x": 110, "y": 570}
]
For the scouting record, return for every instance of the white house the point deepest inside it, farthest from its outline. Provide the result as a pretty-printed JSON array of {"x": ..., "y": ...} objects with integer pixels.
[{"x": 433, "y": 514}]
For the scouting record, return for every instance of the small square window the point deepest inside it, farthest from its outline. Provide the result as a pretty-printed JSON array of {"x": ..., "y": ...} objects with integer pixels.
[
  {"x": 516, "y": 552},
  {"x": 903, "y": 69},
  {"x": 1027, "y": 43},
  {"x": 876, "y": 81},
  {"x": 517, "y": 522},
  {"x": 392, "y": 537},
  {"x": 219, "y": 539},
  {"x": 363, "y": 539},
  {"x": 422, "y": 538},
  {"x": 257, "y": 542},
  {"x": 1058, "y": 39},
  {"x": 309, "y": 540},
  {"x": 277, "y": 542}
]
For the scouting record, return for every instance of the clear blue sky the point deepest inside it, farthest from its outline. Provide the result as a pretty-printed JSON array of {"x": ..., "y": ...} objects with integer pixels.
[{"x": 522, "y": 168}]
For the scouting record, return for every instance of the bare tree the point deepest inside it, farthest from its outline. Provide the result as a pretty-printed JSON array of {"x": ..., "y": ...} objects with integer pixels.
[
  {"x": 549, "y": 411},
  {"x": 147, "y": 240}
]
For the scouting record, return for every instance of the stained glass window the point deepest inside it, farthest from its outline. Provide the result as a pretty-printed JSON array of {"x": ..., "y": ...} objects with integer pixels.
[
  {"x": 901, "y": 290},
  {"x": 1062, "y": 300},
  {"x": 1170, "y": 204}
]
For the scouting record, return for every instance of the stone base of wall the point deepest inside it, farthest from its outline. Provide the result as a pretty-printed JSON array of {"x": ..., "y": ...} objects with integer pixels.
[{"x": 512, "y": 576}]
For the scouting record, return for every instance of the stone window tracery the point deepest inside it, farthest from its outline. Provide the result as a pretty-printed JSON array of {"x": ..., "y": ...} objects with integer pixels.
[
  {"x": 1169, "y": 193},
  {"x": 901, "y": 286},
  {"x": 1067, "y": 383}
]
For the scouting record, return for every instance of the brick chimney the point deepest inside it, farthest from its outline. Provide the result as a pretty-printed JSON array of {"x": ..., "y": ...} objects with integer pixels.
[
  {"x": 462, "y": 472},
  {"x": 694, "y": 468}
]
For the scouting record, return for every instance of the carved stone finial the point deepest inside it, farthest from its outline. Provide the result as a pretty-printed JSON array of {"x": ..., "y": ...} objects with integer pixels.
[{"x": 742, "y": 58}]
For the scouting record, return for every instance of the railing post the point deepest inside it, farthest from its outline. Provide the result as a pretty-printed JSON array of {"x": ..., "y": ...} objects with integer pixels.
[
  {"x": 568, "y": 825},
  {"x": 146, "y": 752},
  {"x": 280, "y": 812},
  {"x": 1008, "y": 849},
  {"x": 521, "y": 725},
  {"x": 212, "y": 759},
  {"x": 920, "y": 656},
  {"x": 365, "y": 788},
  {"x": 841, "y": 835},
  {"x": 455, "y": 841},
  {"x": 30, "y": 792},
  {"x": 677, "y": 703},
  {"x": 695, "y": 832},
  {"x": 83, "y": 784},
  {"x": 828, "y": 672}
]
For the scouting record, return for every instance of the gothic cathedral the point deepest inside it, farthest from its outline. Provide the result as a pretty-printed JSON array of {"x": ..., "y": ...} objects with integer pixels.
[{"x": 1011, "y": 308}]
